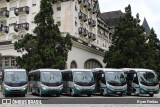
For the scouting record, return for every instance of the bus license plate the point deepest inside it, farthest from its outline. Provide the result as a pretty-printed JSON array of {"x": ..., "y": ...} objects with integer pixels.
[
  {"x": 118, "y": 92},
  {"x": 150, "y": 92}
]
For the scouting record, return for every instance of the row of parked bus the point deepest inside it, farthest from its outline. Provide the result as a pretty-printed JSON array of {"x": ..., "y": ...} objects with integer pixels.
[{"x": 103, "y": 81}]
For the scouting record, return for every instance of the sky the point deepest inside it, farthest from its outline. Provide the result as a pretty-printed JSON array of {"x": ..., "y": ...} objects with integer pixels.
[{"x": 150, "y": 9}]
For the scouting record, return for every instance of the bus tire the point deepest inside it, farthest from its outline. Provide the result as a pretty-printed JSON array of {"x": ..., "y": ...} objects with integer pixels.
[
  {"x": 57, "y": 95},
  {"x": 89, "y": 95},
  {"x": 129, "y": 94},
  {"x": 23, "y": 95},
  {"x": 6, "y": 95},
  {"x": 120, "y": 95},
  {"x": 151, "y": 95}
]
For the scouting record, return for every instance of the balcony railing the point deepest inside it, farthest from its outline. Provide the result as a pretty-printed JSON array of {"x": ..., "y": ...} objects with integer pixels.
[
  {"x": 85, "y": 3},
  {"x": 91, "y": 36},
  {"x": 4, "y": 13},
  {"x": 95, "y": 0},
  {"x": 82, "y": 16},
  {"x": 5, "y": 42},
  {"x": 83, "y": 31},
  {"x": 91, "y": 22},
  {"x": 55, "y": 1},
  {"x": 94, "y": 10},
  {"x": 24, "y": 9},
  {"x": 8, "y": 0},
  {"x": 90, "y": 7},
  {"x": 21, "y": 26},
  {"x": 4, "y": 29}
]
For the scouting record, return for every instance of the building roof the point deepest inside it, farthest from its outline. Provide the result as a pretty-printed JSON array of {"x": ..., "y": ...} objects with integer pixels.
[
  {"x": 112, "y": 17},
  {"x": 146, "y": 27}
]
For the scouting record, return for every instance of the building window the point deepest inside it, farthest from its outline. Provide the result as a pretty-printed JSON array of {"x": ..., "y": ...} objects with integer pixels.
[
  {"x": 34, "y": 2},
  {"x": 13, "y": 61},
  {"x": 58, "y": 7},
  {"x": 58, "y": 23},
  {"x": 92, "y": 63},
  {"x": 73, "y": 64},
  {"x": 76, "y": 23},
  {"x": 6, "y": 61},
  {"x": 9, "y": 61},
  {"x": 75, "y": 6}
]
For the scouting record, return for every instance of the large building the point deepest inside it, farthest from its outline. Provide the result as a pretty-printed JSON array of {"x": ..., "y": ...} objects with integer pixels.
[{"x": 91, "y": 36}]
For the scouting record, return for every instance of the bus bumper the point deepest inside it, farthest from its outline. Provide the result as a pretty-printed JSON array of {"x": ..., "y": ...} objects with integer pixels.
[
  {"x": 84, "y": 91},
  {"x": 15, "y": 92},
  {"x": 51, "y": 92},
  {"x": 116, "y": 92},
  {"x": 143, "y": 91}
]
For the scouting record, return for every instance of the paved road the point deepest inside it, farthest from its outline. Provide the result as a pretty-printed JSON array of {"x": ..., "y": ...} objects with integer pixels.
[
  {"x": 94, "y": 99},
  {"x": 29, "y": 95}
]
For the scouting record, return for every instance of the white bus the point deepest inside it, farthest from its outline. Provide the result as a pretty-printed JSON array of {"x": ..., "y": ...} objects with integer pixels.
[
  {"x": 14, "y": 81},
  {"x": 78, "y": 81},
  {"x": 46, "y": 82},
  {"x": 141, "y": 81},
  {"x": 110, "y": 81}
]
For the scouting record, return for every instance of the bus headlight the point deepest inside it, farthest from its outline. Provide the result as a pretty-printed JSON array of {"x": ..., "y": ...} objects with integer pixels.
[
  {"x": 23, "y": 88},
  {"x": 44, "y": 88},
  {"x": 6, "y": 88}
]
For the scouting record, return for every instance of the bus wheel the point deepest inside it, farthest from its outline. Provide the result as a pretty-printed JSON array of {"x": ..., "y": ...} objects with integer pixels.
[
  {"x": 151, "y": 95},
  {"x": 88, "y": 95},
  {"x": 129, "y": 94},
  {"x": 23, "y": 95},
  {"x": 57, "y": 95},
  {"x": 120, "y": 95},
  {"x": 6, "y": 95}
]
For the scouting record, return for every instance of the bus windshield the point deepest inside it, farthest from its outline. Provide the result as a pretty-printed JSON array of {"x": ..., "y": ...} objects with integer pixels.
[
  {"x": 115, "y": 78},
  {"x": 147, "y": 77},
  {"x": 83, "y": 77},
  {"x": 51, "y": 77},
  {"x": 15, "y": 77}
]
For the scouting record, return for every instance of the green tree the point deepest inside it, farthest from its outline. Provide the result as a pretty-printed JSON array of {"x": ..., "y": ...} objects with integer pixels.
[
  {"x": 153, "y": 52},
  {"x": 128, "y": 43},
  {"x": 48, "y": 49}
]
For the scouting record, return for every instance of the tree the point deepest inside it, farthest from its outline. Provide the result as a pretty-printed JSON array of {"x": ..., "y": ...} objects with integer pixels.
[
  {"x": 153, "y": 52},
  {"x": 128, "y": 43},
  {"x": 48, "y": 49}
]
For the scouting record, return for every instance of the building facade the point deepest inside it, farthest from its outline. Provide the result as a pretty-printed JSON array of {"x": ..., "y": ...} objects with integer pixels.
[{"x": 91, "y": 36}]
